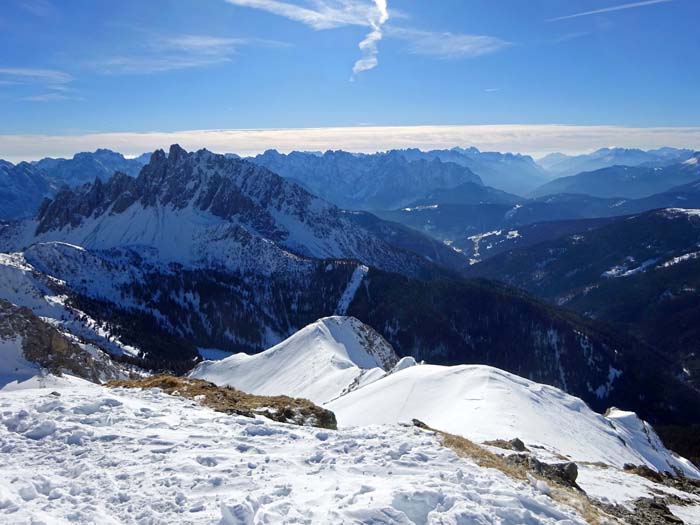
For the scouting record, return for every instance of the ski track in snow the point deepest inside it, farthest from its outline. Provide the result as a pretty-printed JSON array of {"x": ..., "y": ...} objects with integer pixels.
[
  {"x": 97, "y": 455},
  {"x": 351, "y": 289}
]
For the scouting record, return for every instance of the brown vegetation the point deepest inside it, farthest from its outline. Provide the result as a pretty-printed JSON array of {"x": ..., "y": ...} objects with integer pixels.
[
  {"x": 231, "y": 401},
  {"x": 560, "y": 493}
]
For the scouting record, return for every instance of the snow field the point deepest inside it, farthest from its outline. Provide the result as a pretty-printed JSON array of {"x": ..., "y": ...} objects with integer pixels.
[{"x": 97, "y": 455}]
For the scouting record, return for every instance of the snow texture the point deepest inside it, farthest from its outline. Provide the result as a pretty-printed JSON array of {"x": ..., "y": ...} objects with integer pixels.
[{"x": 95, "y": 455}]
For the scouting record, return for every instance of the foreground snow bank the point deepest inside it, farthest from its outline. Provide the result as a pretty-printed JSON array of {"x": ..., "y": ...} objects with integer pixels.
[
  {"x": 129, "y": 456},
  {"x": 483, "y": 403}
]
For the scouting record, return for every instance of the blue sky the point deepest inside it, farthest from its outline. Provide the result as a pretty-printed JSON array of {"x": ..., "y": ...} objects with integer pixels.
[{"x": 75, "y": 67}]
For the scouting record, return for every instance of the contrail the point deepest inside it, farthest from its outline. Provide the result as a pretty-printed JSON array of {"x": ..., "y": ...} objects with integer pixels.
[{"x": 609, "y": 9}]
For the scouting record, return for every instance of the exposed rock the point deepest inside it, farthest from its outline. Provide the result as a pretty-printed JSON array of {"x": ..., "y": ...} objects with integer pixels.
[
  {"x": 514, "y": 444},
  {"x": 46, "y": 346},
  {"x": 561, "y": 473},
  {"x": 647, "y": 511}
]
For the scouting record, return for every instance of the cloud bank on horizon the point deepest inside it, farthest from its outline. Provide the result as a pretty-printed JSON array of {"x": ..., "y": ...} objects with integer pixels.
[{"x": 536, "y": 140}]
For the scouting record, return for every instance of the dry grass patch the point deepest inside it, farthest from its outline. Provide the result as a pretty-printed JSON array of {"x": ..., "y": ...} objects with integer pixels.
[
  {"x": 231, "y": 401},
  {"x": 559, "y": 493}
]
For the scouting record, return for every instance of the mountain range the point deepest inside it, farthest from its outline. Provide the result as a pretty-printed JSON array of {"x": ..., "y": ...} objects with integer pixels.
[
  {"x": 202, "y": 251},
  {"x": 561, "y": 165},
  {"x": 24, "y": 187},
  {"x": 495, "y": 334},
  {"x": 454, "y": 216},
  {"x": 366, "y": 182},
  {"x": 630, "y": 182}
]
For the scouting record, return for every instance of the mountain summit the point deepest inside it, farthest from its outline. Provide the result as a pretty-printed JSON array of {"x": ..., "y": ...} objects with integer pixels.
[{"x": 320, "y": 362}]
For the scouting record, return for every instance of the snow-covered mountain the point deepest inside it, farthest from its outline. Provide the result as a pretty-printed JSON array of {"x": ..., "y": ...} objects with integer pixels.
[
  {"x": 85, "y": 167},
  {"x": 207, "y": 210},
  {"x": 509, "y": 172},
  {"x": 367, "y": 182},
  {"x": 320, "y": 362},
  {"x": 487, "y": 404},
  {"x": 201, "y": 251},
  {"x": 563, "y": 165},
  {"x": 163, "y": 314},
  {"x": 22, "y": 189}
]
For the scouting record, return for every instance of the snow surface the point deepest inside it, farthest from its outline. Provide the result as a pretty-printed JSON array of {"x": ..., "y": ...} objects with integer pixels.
[
  {"x": 25, "y": 281},
  {"x": 14, "y": 368},
  {"x": 680, "y": 259},
  {"x": 617, "y": 487},
  {"x": 689, "y": 514},
  {"x": 319, "y": 362},
  {"x": 351, "y": 289},
  {"x": 675, "y": 212},
  {"x": 112, "y": 456},
  {"x": 483, "y": 403}
]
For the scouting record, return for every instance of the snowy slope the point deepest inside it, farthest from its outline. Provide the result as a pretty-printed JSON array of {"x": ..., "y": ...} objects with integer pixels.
[
  {"x": 146, "y": 457},
  {"x": 319, "y": 362},
  {"x": 14, "y": 368},
  {"x": 484, "y": 403},
  {"x": 26, "y": 279}
]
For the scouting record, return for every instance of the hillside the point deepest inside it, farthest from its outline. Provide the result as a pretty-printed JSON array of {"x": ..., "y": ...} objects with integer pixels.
[{"x": 638, "y": 272}]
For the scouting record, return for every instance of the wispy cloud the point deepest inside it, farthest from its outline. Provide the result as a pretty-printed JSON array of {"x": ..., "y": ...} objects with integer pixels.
[
  {"x": 536, "y": 140},
  {"x": 492, "y": 90},
  {"x": 622, "y": 7},
  {"x": 52, "y": 84},
  {"x": 326, "y": 14},
  {"x": 40, "y": 8},
  {"x": 25, "y": 75},
  {"x": 330, "y": 14},
  {"x": 161, "y": 54},
  {"x": 445, "y": 44},
  {"x": 49, "y": 97}
]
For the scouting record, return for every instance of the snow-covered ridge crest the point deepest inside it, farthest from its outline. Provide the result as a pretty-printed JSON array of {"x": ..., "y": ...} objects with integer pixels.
[
  {"x": 483, "y": 403},
  {"x": 320, "y": 362}
]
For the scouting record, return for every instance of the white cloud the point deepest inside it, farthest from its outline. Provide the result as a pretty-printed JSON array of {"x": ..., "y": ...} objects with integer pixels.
[
  {"x": 536, "y": 140},
  {"x": 369, "y": 45},
  {"x": 329, "y": 14},
  {"x": 171, "y": 53},
  {"x": 42, "y": 8},
  {"x": 326, "y": 14},
  {"x": 49, "y": 97},
  {"x": 611, "y": 9},
  {"x": 447, "y": 45},
  {"x": 23, "y": 74},
  {"x": 45, "y": 85}
]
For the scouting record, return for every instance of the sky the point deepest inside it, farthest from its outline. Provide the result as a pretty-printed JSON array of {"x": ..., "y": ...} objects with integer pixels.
[{"x": 245, "y": 75}]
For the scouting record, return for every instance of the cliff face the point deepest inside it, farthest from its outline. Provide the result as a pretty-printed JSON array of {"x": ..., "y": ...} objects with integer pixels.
[{"x": 47, "y": 348}]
